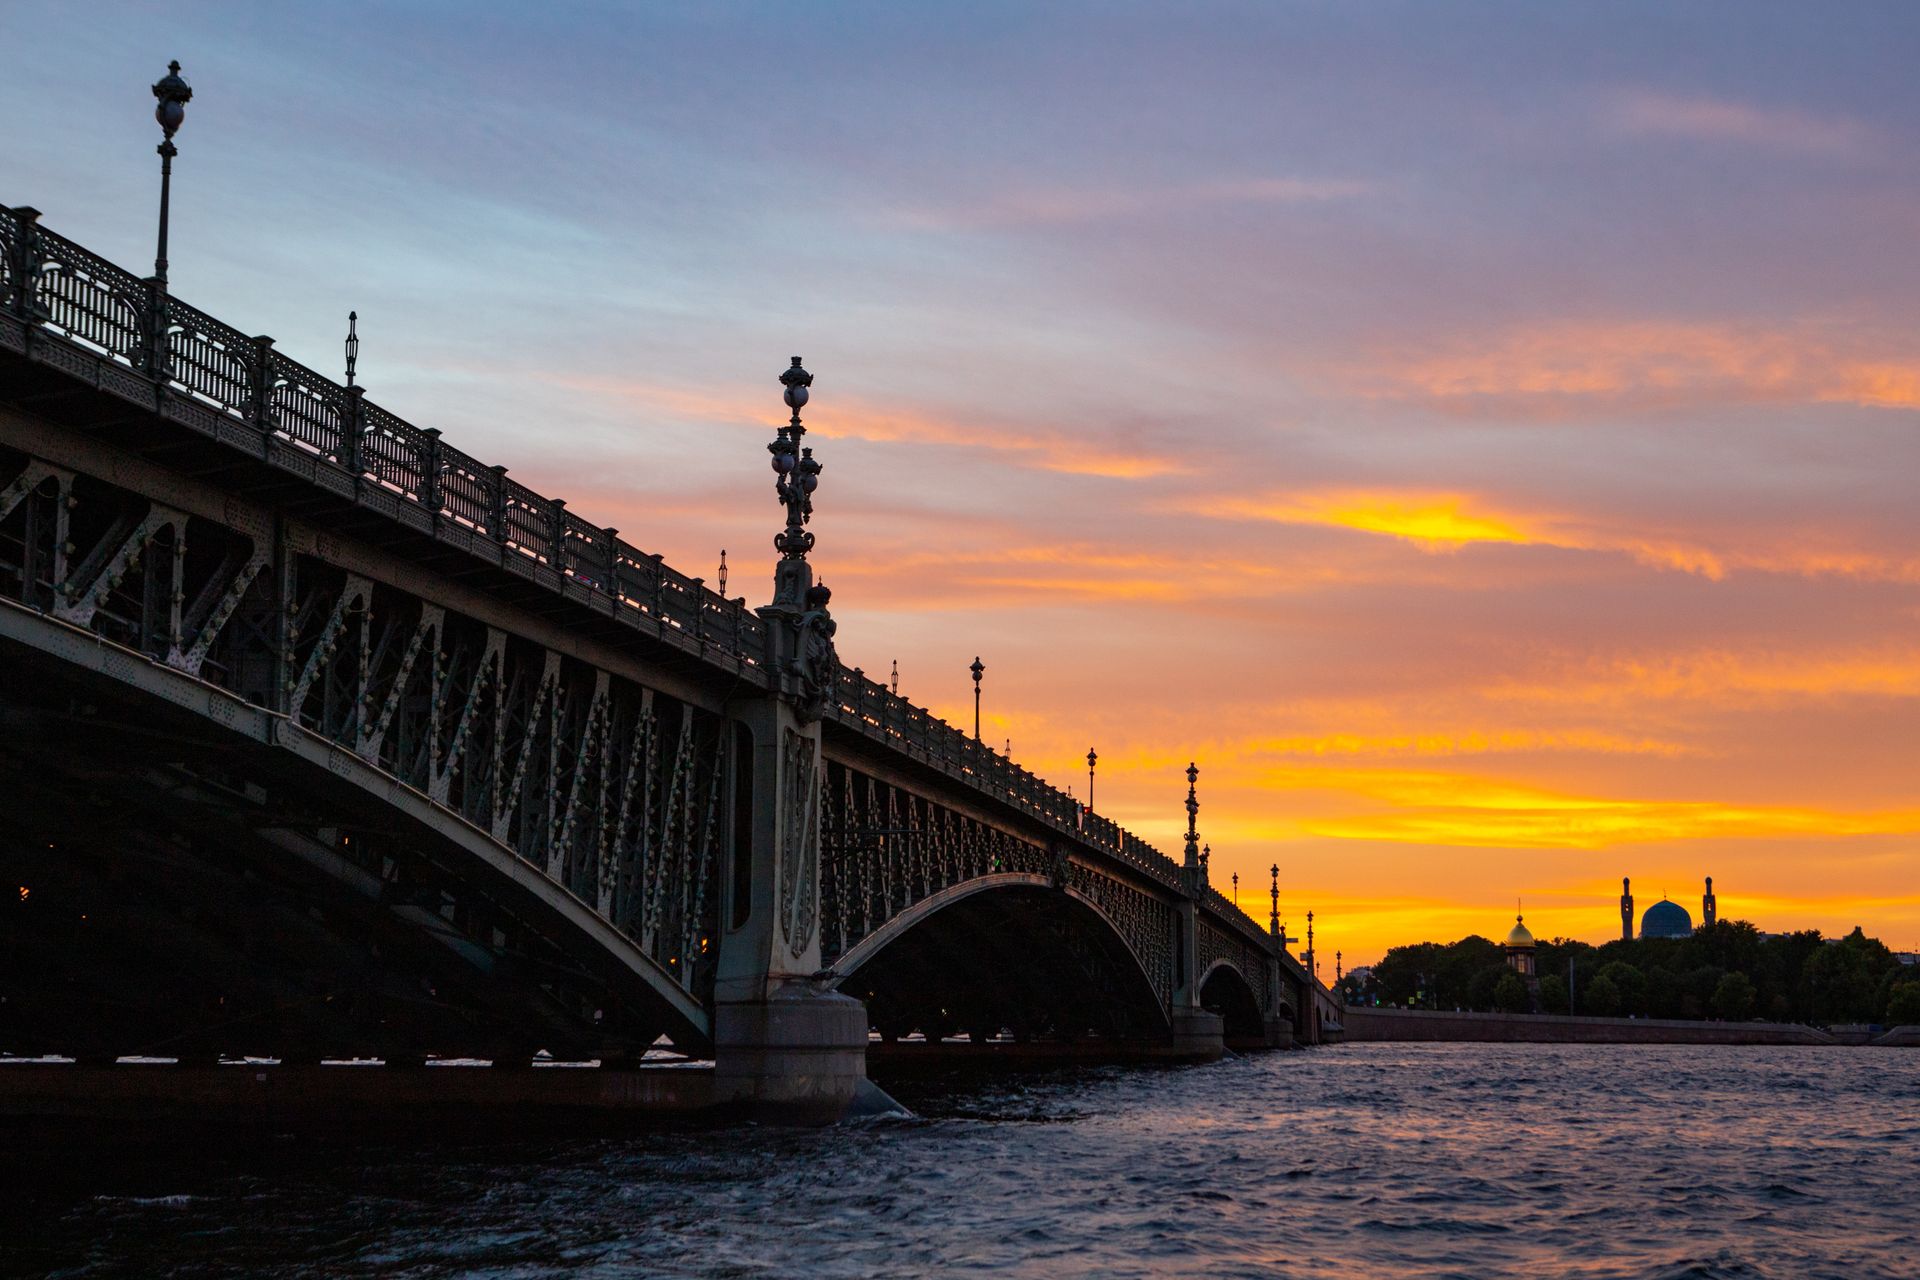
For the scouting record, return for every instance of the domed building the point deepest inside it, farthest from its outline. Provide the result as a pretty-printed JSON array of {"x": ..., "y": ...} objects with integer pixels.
[
  {"x": 1666, "y": 920},
  {"x": 1520, "y": 948}
]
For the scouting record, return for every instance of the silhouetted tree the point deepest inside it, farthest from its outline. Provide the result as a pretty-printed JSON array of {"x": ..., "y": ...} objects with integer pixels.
[
  {"x": 1510, "y": 994},
  {"x": 1903, "y": 1005},
  {"x": 1629, "y": 984},
  {"x": 1733, "y": 998},
  {"x": 1553, "y": 993}
]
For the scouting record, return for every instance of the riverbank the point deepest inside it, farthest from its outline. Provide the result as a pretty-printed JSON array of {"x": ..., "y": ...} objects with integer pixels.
[{"x": 1362, "y": 1024}]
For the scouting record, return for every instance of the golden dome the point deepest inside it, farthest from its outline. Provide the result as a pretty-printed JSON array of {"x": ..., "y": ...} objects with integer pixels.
[{"x": 1519, "y": 937}]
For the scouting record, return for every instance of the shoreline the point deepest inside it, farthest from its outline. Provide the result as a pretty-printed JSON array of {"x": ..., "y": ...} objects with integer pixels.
[{"x": 1385, "y": 1025}]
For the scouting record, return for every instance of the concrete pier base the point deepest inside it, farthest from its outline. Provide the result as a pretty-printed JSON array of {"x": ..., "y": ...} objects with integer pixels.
[
  {"x": 799, "y": 1057},
  {"x": 1198, "y": 1035}
]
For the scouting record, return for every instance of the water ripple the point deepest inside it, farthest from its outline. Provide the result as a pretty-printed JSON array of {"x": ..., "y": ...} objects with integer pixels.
[{"x": 1597, "y": 1162}]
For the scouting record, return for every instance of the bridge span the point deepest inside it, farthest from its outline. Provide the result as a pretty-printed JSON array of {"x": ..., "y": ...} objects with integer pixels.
[{"x": 325, "y": 740}]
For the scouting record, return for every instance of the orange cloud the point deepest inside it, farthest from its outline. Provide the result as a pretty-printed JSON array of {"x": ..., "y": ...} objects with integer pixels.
[
  {"x": 1435, "y": 521},
  {"x": 1449, "y": 521},
  {"x": 1725, "y": 677},
  {"x": 1542, "y": 369},
  {"x": 1451, "y": 809},
  {"x": 851, "y": 418}
]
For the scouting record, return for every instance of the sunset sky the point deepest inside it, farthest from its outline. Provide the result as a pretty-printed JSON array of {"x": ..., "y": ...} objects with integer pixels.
[{"x": 1484, "y": 437}]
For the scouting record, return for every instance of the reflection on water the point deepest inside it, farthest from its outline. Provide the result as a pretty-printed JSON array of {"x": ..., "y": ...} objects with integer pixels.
[{"x": 1362, "y": 1160}]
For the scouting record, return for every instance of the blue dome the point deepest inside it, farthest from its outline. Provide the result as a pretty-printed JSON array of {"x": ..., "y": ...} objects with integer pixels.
[{"x": 1666, "y": 920}]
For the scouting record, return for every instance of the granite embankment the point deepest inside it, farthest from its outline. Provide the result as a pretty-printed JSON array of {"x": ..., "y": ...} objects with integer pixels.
[{"x": 1418, "y": 1024}]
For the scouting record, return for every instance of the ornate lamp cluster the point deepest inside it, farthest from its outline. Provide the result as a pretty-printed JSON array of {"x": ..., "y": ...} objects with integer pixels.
[
  {"x": 1193, "y": 815},
  {"x": 796, "y": 474}
]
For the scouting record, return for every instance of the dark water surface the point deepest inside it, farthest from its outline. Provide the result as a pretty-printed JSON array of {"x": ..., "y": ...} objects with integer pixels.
[{"x": 1363, "y": 1160}]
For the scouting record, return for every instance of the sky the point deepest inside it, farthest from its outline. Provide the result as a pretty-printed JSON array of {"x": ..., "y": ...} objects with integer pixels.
[{"x": 1483, "y": 437}]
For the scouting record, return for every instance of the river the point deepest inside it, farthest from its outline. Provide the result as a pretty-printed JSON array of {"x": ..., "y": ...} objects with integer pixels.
[{"x": 1362, "y": 1160}]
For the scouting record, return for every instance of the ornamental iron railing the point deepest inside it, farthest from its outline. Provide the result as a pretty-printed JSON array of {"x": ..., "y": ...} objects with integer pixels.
[{"x": 59, "y": 288}]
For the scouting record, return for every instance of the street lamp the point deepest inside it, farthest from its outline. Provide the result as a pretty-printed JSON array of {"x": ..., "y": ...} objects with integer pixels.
[
  {"x": 1273, "y": 923},
  {"x": 795, "y": 476},
  {"x": 978, "y": 667},
  {"x": 171, "y": 111},
  {"x": 353, "y": 351},
  {"x": 1093, "y": 758}
]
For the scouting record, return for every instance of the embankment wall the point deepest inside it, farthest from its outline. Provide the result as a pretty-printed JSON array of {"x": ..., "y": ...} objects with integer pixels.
[{"x": 1541, "y": 1028}]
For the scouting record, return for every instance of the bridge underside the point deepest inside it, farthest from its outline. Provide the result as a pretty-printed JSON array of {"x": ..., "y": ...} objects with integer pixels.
[
  {"x": 176, "y": 891},
  {"x": 1226, "y": 991},
  {"x": 1023, "y": 961}
]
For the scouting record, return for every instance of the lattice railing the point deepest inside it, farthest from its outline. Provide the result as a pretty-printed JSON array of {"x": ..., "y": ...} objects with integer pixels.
[{"x": 59, "y": 287}]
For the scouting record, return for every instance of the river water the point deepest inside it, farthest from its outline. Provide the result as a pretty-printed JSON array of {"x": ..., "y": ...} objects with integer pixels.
[{"x": 1360, "y": 1160}]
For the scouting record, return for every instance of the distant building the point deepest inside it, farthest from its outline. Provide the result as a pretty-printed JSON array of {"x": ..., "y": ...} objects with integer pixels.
[
  {"x": 1666, "y": 920},
  {"x": 1520, "y": 949}
]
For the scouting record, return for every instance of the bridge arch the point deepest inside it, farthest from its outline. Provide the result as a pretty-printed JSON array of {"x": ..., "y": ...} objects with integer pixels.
[
  {"x": 405, "y": 872},
  {"x": 1228, "y": 992},
  {"x": 1012, "y": 952}
]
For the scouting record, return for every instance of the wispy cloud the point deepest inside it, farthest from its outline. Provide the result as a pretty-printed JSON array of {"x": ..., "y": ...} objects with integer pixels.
[
  {"x": 853, "y": 418},
  {"x": 1548, "y": 370},
  {"x": 1723, "y": 677},
  {"x": 1052, "y": 206},
  {"x": 1652, "y": 113},
  {"x": 1446, "y": 522},
  {"x": 1452, "y": 809}
]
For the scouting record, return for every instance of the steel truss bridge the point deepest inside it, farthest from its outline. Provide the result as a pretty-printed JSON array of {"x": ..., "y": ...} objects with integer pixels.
[{"x": 325, "y": 739}]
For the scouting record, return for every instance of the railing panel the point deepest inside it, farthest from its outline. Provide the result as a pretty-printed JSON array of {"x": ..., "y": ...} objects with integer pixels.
[
  {"x": 308, "y": 408},
  {"x": 584, "y": 552},
  {"x": 90, "y": 299},
  {"x": 467, "y": 490},
  {"x": 211, "y": 360},
  {"x": 11, "y": 235},
  {"x": 529, "y": 523},
  {"x": 393, "y": 451}
]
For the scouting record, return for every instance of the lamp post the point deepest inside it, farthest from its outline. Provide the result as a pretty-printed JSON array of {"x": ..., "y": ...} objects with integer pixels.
[
  {"x": 353, "y": 345},
  {"x": 1193, "y": 814},
  {"x": 173, "y": 94},
  {"x": 977, "y": 668},
  {"x": 1236, "y": 891},
  {"x": 795, "y": 476},
  {"x": 1273, "y": 922},
  {"x": 1093, "y": 758}
]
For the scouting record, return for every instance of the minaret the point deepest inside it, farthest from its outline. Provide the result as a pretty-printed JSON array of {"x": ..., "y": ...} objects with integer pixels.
[
  {"x": 1626, "y": 909},
  {"x": 1709, "y": 909}
]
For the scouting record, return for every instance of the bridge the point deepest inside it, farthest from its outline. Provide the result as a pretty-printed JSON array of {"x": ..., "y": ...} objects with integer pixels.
[{"x": 325, "y": 740}]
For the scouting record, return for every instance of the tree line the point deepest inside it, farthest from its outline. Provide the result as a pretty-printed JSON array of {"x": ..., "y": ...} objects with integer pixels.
[{"x": 1726, "y": 971}]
